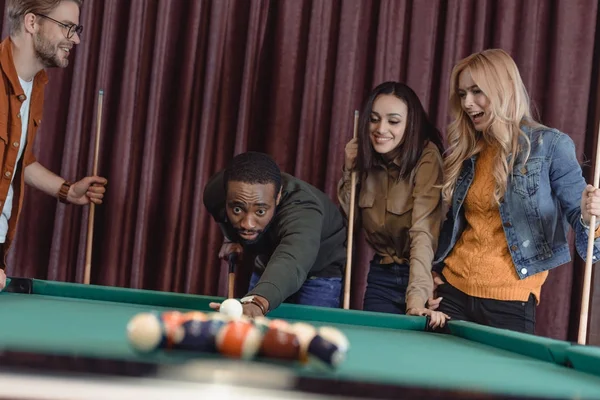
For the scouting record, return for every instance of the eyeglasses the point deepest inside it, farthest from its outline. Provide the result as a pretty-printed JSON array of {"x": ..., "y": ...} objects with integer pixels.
[{"x": 71, "y": 29}]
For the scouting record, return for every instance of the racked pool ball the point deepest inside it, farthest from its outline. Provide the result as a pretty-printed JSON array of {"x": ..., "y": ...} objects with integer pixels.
[
  {"x": 194, "y": 316},
  {"x": 280, "y": 342},
  {"x": 199, "y": 333},
  {"x": 150, "y": 331},
  {"x": 330, "y": 346},
  {"x": 305, "y": 334},
  {"x": 173, "y": 330},
  {"x": 279, "y": 324},
  {"x": 145, "y": 332},
  {"x": 219, "y": 320},
  {"x": 238, "y": 339}
]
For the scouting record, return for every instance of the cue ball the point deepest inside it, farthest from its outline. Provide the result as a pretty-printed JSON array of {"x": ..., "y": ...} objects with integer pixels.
[
  {"x": 232, "y": 308},
  {"x": 144, "y": 332}
]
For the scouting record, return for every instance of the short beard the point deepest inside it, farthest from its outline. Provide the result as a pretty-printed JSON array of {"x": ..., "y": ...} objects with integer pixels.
[
  {"x": 46, "y": 53},
  {"x": 258, "y": 238}
]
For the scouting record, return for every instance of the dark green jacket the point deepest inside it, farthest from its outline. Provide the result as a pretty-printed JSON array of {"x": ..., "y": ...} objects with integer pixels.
[{"x": 307, "y": 237}]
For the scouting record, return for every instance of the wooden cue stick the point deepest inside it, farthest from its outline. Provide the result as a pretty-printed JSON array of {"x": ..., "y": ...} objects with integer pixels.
[
  {"x": 587, "y": 277},
  {"x": 231, "y": 283},
  {"x": 350, "y": 227},
  {"x": 90, "y": 232}
]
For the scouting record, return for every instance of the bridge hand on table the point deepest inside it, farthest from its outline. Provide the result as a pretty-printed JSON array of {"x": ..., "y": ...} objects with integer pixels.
[{"x": 248, "y": 309}]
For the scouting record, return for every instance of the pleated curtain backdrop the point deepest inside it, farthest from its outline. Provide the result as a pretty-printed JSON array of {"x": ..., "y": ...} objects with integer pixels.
[{"x": 190, "y": 83}]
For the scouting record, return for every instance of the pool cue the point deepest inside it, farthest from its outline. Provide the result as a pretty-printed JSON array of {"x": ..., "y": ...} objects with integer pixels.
[
  {"x": 90, "y": 232},
  {"x": 350, "y": 227},
  {"x": 231, "y": 284},
  {"x": 587, "y": 277}
]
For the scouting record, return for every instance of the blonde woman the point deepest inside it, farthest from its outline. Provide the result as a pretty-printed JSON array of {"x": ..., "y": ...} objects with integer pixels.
[
  {"x": 513, "y": 187},
  {"x": 398, "y": 156}
]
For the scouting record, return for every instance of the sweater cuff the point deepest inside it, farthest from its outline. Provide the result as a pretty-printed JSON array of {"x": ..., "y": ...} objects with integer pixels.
[{"x": 270, "y": 292}]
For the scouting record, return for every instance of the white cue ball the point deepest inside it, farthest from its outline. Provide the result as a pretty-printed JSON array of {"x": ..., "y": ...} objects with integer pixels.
[
  {"x": 232, "y": 308},
  {"x": 144, "y": 332}
]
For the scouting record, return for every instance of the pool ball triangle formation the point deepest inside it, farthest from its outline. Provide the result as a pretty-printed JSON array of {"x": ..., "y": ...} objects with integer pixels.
[{"x": 237, "y": 336}]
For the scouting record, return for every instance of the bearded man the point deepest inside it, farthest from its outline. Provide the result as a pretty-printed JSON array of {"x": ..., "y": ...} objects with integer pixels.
[
  {"x": 292, "y": 232},
  {"x": 42, "y": 34}
]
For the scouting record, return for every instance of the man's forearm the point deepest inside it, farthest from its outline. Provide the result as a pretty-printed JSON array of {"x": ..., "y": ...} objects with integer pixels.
[{"x": 42, "y": 179}]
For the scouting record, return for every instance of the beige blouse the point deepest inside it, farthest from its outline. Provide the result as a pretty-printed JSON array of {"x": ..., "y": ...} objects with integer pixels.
[{"x": 402, "y": 219}]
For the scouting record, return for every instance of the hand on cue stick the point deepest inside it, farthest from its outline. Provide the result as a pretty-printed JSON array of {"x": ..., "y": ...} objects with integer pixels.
[
  {"x": 589, "y": 199},
  {"x": 590, "y": 208},
  {"x": 90, "y": 232},
  {"x": 350, "y": 227}
]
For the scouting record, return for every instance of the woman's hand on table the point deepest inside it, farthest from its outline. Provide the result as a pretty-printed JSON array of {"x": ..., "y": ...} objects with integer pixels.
[
  {"x": 2, "y": 279},
  {"x": 437, "y": 318}
]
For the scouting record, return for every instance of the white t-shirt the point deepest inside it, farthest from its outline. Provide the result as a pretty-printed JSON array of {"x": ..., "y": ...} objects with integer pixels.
[{"x": 7, "y": 209}]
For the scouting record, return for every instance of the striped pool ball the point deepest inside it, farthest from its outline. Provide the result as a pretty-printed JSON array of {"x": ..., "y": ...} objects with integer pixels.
[
  {"x": 173, "y": 330},
  {"x": 238, "y": 339},
  {"x": 200, "y": 333},
  {"x": 329, "y": 346}
]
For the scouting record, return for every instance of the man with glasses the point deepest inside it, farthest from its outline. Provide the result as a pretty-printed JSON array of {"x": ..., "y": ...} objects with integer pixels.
[{"x": 42, "y": 34}]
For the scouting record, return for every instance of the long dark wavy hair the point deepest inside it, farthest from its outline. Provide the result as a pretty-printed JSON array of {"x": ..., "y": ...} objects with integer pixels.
[{"x": 419, "y": 130}]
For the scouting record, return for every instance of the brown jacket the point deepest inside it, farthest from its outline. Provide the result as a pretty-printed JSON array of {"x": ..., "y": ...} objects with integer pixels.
[
  {"x": 11, "y": 98},
  {"x": 402, "y": 218}
]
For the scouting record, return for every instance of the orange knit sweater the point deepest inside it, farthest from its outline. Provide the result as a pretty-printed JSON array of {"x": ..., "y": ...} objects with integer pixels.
[{"x": 480, "y": 264}]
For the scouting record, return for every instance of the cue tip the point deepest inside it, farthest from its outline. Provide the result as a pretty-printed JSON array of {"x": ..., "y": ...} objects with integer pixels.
[{"x": 101, "y": 92}]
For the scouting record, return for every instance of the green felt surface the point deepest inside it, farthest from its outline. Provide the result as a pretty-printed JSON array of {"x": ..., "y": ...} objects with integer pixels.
[
  {"x": 585, "y": 358},
  {"x": 90, "y": 321},
  {"x": 539, "y": 347}
]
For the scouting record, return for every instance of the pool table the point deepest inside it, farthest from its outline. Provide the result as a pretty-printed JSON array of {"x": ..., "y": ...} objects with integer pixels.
[{"x": 48, "y": 326}]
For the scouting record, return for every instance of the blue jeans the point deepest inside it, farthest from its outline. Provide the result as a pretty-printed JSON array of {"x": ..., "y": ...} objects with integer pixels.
[
  {"x": 320, "y": 292},
  {"x": 386, "y": 288}
]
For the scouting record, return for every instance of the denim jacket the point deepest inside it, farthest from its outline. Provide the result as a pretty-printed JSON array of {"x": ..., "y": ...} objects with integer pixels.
[{"x": 543, "y": 198}]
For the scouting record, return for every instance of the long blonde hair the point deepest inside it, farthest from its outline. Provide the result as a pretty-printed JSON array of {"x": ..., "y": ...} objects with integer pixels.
[{"x": 497, "y": 76}]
